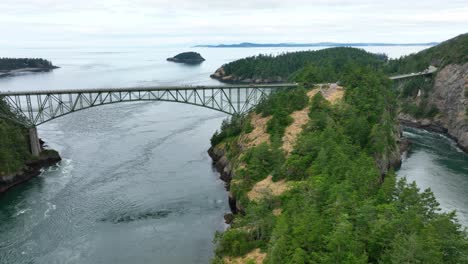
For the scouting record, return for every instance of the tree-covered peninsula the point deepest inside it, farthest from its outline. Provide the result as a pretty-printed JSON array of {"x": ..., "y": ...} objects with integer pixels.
[
  {"x": 310, "y": 171},
  {"x": 326, "y": 64},
  {"x": 9, "y": 66}
]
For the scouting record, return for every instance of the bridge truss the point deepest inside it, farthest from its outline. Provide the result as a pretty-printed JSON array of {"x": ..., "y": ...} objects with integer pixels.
[{"x": 37, "y": 107}]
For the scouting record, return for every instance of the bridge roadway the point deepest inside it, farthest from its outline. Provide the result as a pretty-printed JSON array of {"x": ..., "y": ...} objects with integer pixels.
[
  {"x": 37, "y": 107},
  {"x": 33, "y": 108},
  {"x": 429, "y": 71}
]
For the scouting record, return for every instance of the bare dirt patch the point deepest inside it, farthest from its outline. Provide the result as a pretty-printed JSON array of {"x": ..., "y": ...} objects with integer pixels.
[
  {"x": 256, "y": 255},
  {"x": 291, "y": 133},
  {"x": 332, "y": 92},
  {"x": 300, "y": 118},
  {"x": 277, "y": 211},
  {"x": 267, "y": 187},
  {"x": 259, "y": 134}
]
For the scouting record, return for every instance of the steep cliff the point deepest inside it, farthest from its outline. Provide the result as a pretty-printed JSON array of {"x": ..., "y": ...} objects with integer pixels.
[
  {"x": 448, "y": 95},
  {"x": 17, "y": 164}
]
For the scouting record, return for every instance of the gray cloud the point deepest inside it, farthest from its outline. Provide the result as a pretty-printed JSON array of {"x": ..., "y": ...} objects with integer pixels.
[{"x": 126, "y": 22}]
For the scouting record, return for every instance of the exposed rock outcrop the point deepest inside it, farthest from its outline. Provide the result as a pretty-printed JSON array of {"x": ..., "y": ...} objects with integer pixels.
[
  {"x": 392, "y": 157},
  {"x": 32, "y": 168},
  {"x": 223, "y": 166},
  {"x": 220, "y": 75},
  {"x": 449, "y": 96}
]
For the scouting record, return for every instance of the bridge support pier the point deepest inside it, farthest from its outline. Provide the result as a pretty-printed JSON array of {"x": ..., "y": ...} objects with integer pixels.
[{"x": 34, "y": 142}]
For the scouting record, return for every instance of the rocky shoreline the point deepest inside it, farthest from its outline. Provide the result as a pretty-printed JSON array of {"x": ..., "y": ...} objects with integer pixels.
[
  {"x": 221, "y": 76},
  {"x": 32, "y": 168},
  {"x": 449, "y": 94},
  {"x": 223, "y": 166},
  {"x": 432, "y": 127}
]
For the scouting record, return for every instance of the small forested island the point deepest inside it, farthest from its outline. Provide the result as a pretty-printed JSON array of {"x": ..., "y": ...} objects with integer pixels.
[
  {"x": 310, "y": 172},
  {"x": 10, "y": 66},
  {"x": 188, "y": 58}
]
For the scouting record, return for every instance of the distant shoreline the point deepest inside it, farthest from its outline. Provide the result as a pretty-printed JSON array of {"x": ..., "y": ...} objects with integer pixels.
[
  {"x": 5, "y": 73},
  {"x": 320, "y": 44}
]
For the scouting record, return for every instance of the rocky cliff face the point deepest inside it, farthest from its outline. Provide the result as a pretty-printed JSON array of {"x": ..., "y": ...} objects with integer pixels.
[
  {"x": 449, "y": 96},
  {"x": 221, "y": 76},
  {"x": 224, "y": 167},
  {"x": 31, "y": 169}
]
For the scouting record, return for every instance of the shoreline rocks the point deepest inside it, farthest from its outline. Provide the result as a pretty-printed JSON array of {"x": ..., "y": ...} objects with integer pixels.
[
  {"x": 32, "y": 168},
  {"x": 432, "y": 127},
  {"x": 449, "y": 96},
  {"x": 221, "y": 76},
  {"x": 223, "y": 166}
]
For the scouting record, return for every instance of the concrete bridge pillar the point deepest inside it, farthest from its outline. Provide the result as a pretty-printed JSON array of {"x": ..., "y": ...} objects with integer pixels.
[{"x": 34, "y": 142}]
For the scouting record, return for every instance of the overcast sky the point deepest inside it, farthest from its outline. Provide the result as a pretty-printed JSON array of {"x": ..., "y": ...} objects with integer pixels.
[{"x": 189, "y": 22}]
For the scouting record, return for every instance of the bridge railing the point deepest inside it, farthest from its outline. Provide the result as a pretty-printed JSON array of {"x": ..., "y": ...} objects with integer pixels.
[{"x": 38, "y": 107}]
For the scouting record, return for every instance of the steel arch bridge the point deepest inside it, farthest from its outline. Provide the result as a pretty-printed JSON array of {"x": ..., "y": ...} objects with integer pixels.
[{"x": 34, "y": 108}]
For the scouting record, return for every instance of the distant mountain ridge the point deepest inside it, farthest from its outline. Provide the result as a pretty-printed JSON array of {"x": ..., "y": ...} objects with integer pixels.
[{"x": 318, "y": 44}]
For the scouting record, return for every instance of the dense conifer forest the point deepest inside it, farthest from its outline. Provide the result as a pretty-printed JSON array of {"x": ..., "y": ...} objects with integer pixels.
[
  {"x": 328, "y": 64},
  {"x": 8, "y": 64},
  {"x": 340, "y": 209}
]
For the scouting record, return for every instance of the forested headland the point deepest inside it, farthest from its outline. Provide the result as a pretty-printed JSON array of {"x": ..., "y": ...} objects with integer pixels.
[
  {"x": 8, "y": 64},
  {"x": 326, "y": 199},
  {"x": 325, "y": 64}
]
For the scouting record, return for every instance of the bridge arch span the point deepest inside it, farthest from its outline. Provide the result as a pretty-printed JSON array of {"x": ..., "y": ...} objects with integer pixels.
[{"x": 37, "y": 107}]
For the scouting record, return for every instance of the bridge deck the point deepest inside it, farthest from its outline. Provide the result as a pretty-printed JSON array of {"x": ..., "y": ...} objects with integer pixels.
[
  {"x": 146, "y": 88},
  {"x": 403, "y": 76}
]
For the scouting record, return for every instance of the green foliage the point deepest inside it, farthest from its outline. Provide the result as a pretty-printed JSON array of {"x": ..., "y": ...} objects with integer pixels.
[
  {"x": 421, "y": 110},
  {"x": 233, "y": 242},
  {"x": 189, "y": 56},
  {"x": 341, "y": 210},
  {"x": 14, "y": 144},
  {"x": 261, "y": 161},
  {"x": 7, "y": 64},
  {"x": 454, "y": 50},
  {"x": 411, "y": 87},
  {"x": 231, "y": 128},
  {"x": 320, "y": 64},
  {"x": 280, "y": 105}
]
